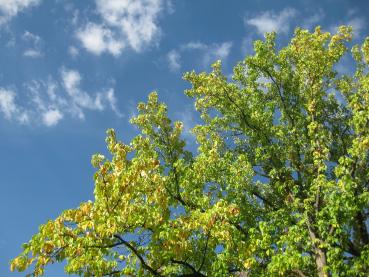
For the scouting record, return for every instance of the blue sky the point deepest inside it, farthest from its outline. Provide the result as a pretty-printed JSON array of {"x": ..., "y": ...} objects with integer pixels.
[{"x": 71, "y": 69}]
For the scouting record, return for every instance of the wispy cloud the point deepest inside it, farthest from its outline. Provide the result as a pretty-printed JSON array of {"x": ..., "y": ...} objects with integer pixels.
[
  {"x": 209, "y": 53},
  {"x": 9, "y": 108},
  {"x": 28, "y": 36},
  {"x": 247, "y": 45},
  {"x": 269, "y": 21},
  {"x": 50, "y": 101},
  {"x": 112, "y": 101},
  {"x": 73, "y": 51},
  {"x": 188, "y": 118},
  {"x": 10, "y": 8},
  {"x": 221, "y": 51},
  {"x": 173, "y": 58},
  {"x": 32, "y": 53},
  {"x": 194, "y": 45},
  {"x": 122, "y": 24},
  {"x": 313, "y": 20},
  {"x": 33, "y": 43},
  {"x": 80, "y": 99},
  {"x": 7, "y": 104},
  {"x": 358, "y": 23}
]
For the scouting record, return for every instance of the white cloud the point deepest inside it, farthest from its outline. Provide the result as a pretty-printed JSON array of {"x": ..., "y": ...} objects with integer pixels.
[
  {"x": 51, "y": 88},
  {"x": 71, "y": 80},
  {"x": 170, "y": 6},
  {"x": 358, "y": 24},
  {"x": 122, "y": 23},
  {"x": 194, "y": 45},
  {"x": 110, "y": 98},
  {"x": 51, "y": 117},
  {"x": 270, "y": 21},
  {"x": 80, "y": 99},
  {"x": 23, "y": 118},
  {"x": 222, "y": 51},
  {"x": 211, "y": 52},
  {"x": 10, "y": 8},
  {"x": 136, "y": 19},
  {"x": 9, "y": 108},
  {"x": 7, "y": 104},
  {"x": 28, "y": 36},
  {"x": 311, "y": 21},
  {"x": 48, "y": 102},
  {"x": 32, "y": 53},
  {"x": 173, "y": 58},
  {"x": 188, "y": 117},
  {"x": 98, "y": 39},
  {"x": 247, "y": 45},
  {"x": 35, "y": 44}
]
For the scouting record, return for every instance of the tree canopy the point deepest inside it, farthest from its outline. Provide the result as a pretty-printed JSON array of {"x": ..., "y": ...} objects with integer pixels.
[{"x": 279, "y": 184}]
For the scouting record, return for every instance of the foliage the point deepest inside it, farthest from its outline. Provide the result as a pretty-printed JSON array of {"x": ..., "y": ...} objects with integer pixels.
[{"x": 278, "y": 186}]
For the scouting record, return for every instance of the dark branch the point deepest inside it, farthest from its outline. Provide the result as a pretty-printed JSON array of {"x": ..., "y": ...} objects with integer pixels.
[
  {"x": 138, "y": 255},
  {"x": 195, "y": 273},
  {"x": 204, "y": 254}
]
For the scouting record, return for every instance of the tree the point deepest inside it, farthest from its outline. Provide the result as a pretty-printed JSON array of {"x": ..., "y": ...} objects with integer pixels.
[{"x": 279, "y": 184}]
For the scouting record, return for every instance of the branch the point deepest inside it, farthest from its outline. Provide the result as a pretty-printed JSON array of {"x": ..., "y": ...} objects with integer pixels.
[
  {"x": 110, "y": 273},
  {"x": 239, "y": 228},
  {"x": 135, "y": 251},
  {"x": 204, "y": 254},
  {"x": 280, "y": 94},
  {"x": 105, "y": 246},
  {"x": 266, "y": 201},
  {"x": 353, "y": 249},
  {"x": 195, "y": 273},
  {"x": 299, "y": 272},
  {"x": 244, "y": 117}
]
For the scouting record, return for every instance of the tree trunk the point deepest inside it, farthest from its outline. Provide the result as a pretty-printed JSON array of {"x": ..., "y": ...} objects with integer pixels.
[
  {"x": 321, "y": 262},
  {"x": 320, "y": 255}
]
